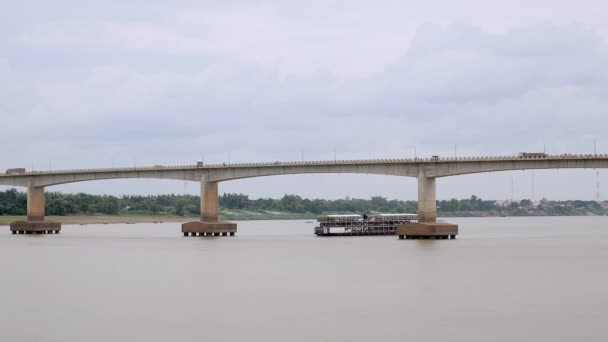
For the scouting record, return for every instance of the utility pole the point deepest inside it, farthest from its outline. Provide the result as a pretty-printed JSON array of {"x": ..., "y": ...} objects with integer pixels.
[
  {"x": 414, "y": 147},
  {"x": 597, "y": 186},
  {"x": 455, "y": 151},
  {"x": 595, "y": 147},
  {"x": 532, "y": 185},
  {"x": 512, "y": 190}
]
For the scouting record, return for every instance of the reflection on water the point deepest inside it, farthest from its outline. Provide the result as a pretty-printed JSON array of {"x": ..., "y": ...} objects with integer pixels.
[{"x": 503, "y": 279}]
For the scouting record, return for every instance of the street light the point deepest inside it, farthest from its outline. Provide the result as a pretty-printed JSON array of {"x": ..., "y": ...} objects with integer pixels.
[
  {"x": 414, "y": 147},
  {"x": 595, "y": 147}
]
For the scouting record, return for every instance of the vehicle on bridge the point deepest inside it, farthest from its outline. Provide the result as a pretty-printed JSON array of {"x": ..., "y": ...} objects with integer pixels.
[
  {"x": 532, "y": 155},
  {"x": 380, "y": 224},
  {"x": 16, "y": 171}
]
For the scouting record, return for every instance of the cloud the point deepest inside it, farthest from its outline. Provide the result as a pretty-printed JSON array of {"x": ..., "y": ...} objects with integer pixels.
[
  {"x": 468, "y": 86},
  {"x": 269, "y": 36},
  {"x": 262, "y": 83},
  {"x": 455, "y": 63}
]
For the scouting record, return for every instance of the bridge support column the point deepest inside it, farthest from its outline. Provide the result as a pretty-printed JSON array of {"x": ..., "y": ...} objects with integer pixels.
[
  {"x": 35, "y": 203},
  {"x": 427, "y": 226},
  {"x": 210, "y": 224},
  {"x": 35, "y": 215},
  {"x": 209, "y": 201},
  {"x": 427, "y": 202}
]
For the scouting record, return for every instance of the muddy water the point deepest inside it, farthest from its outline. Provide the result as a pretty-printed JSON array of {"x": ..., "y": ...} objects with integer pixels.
[{"x": 503, "y": 279}]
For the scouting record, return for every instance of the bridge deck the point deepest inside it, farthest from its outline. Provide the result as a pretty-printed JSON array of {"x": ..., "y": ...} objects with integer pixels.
[{"x": 410, "y": 161}]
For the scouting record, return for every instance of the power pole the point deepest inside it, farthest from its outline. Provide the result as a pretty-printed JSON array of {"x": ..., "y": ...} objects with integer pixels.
[
  {"x": 512, "y": 190},
  {"x": 532, "y": 185},
  {"x": 595, "y": 147},
  {"x": 597, "y": 186}
]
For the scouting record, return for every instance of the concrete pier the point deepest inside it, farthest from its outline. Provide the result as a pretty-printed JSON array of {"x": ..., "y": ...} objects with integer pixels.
[
  {"x": 433, "y": 230},
  {"x": 427, "y": 226},
  {"x": 35, "y": 223},
  {"x": 35, "y": 204},
  {"x": 427, "y": 203},
  {"x": 209, "y": 225},
  {"x": 36, "y": 227},
  {"x": 208, "y": 228},
  {"x": 209, "y": 201}
]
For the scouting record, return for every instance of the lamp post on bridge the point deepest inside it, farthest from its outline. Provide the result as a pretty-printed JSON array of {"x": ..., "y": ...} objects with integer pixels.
[
  {"x": 595, "y": 147},
  {"x": 414, "y": 147}
]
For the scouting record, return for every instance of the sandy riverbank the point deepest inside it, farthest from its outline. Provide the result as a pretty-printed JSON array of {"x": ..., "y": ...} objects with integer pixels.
[{"x": 94, "y": 219}]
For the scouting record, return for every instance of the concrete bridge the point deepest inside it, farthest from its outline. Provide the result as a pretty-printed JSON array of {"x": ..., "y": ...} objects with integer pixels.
[{"x": 427, "y": 170}]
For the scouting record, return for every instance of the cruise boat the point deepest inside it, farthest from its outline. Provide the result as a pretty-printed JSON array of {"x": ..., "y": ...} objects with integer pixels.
[{"x": 379, "y": 224}]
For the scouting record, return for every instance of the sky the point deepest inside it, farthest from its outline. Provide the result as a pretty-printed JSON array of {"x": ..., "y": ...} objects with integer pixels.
[{"x": 96, "y": 84}]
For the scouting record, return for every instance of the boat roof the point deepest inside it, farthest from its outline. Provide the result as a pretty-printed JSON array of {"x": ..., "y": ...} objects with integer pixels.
[
  {"x": 357, "y": 216},
  {"x": 345, "y": 215}
]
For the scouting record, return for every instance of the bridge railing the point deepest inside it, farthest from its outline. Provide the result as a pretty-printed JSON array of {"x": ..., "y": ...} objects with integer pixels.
[{"x": 320, "y": 162}]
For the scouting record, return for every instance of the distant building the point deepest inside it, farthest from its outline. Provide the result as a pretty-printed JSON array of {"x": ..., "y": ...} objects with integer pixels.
[{"x": 502, "y": 204}]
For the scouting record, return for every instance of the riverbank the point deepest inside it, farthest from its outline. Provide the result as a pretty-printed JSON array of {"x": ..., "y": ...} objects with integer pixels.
[
  {"x": 231, "y": 215},
  {"x": 102, "y": 219},
  {"x": 242, "y": 215}
]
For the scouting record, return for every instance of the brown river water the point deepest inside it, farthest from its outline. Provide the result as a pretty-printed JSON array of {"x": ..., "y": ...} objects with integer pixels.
[{"x": 503, "y": 279}]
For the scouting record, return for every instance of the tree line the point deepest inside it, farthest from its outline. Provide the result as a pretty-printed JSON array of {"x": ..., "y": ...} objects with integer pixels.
[{"x": 13, "y": 202}]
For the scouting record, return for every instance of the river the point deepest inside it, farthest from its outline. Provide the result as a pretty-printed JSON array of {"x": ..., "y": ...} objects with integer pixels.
[{"x": 503, "y": 279}]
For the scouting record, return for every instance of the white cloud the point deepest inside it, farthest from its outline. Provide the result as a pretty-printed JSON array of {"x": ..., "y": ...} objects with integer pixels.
[{"x": 268, "y": 82}]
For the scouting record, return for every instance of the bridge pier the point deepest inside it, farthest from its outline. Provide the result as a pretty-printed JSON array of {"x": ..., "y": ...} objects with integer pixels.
[
  {"x": 427, "y": 226},
  {"x": 209, "y": 225},
  {"x": 427, "y": 199},
  {"x": 35, "y": 215}
]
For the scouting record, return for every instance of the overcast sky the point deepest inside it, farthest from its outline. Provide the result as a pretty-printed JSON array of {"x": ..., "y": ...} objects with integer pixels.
[{"x": 107, "y": 83}]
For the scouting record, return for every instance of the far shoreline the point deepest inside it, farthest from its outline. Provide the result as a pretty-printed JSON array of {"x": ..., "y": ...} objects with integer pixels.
[
  {"x": 120, "y": 219},
  {"x": 86, "y": 219}
]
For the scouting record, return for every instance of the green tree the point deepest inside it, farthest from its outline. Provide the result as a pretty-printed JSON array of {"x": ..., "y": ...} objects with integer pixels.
[
  {"x": 179, "y": 209},
  {"x": 56, "y": 207},
  {"x": 525, "y": 203},
  {"x": 292, "y": 203}
]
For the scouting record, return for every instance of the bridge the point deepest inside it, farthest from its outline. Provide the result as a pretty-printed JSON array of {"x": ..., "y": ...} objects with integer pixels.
[{"x": 427, "y": 170}]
